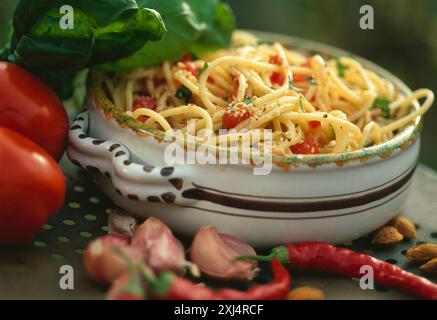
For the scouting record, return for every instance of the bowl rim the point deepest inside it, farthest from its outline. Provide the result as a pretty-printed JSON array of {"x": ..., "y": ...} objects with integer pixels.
[{"x": 98, "y": 99}]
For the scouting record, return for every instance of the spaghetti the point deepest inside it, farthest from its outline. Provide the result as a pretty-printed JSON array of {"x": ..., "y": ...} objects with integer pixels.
[{"x": 312, "y": 105}]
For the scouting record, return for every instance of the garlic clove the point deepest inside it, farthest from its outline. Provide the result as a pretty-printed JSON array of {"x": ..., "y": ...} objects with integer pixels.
[
  {"x": 214, "y": 254},
  {"x": 163, "y": 251},
  {"x": 108, "y": 257}
]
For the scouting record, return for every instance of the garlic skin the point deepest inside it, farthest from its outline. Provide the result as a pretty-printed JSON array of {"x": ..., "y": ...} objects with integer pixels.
[
  {"x": 214, "y": 254},
  {"x": 104, "y": 259},
  {"x": 162, "y": 250},
  {"x": 121, "y": 223}
]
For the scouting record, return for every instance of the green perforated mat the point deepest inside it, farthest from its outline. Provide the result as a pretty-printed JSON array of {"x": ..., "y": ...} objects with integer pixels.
[{"x": 31, "y": 271}]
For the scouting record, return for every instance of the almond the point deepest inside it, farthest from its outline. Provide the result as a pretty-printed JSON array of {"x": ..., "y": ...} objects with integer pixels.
[
  {"x": 405, "y": 227},
  {"x": 306, "y": 293},
  {"x": 422, "y": 252},
  {"x": 387, "y": 236},
  {"x": 430, "y": 266}
]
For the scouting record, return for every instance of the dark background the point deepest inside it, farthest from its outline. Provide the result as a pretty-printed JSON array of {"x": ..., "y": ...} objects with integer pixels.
[{"x": 404, "y": 40}]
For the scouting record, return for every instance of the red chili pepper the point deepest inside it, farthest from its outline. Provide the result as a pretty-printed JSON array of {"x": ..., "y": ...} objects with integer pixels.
[
  {"x": 172, "y": 287},
  {"x": 325, "y": 257}
]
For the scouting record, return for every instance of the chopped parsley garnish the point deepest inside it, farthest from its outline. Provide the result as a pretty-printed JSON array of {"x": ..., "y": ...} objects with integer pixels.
[
  {"x": 341, "y": 68},
  {"x": 248, "y": 101},
  {"x": 205, "y": 66},
  {"x": 184, "y": 93},
  {"x": 261, "y": 42},
  {"x": 292, "y": 86},
  {"x": 302, "y": 107},
  {"x": 311, "y": 81},
  {"x": 383, "y": 105}
]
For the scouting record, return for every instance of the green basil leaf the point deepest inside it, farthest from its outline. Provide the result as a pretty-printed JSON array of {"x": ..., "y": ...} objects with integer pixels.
[
  {"x": 104, "y": 31},
  {"x": 126, "y": 34},
  {"x": 311, "y": 80},
  {"x": 183, "y": 29},
  {"x": 194, "y": 26},
  {"x": 184, "y": 93},
  {"x": 47, "y": 46},
  {"x": 248, "y": 101},
  {"x": 341, "y": 68},
  {"x": 204, "y": 68},
  {"x": 219, "y": 21},
  {"x": 383, "y": 105}
]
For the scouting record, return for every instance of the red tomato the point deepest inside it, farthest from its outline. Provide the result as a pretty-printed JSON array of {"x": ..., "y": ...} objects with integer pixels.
[
  {"x": 277, "y": 78},
  {"x": 308, "y": 146},
  {"x": 144, "y": 102},
  {"x": 315, "y": 124},
  {"x": 31, "y": 108},
  {"x": 235, "y": 91},
  {"x": 187, "y": 57},
  {"x": 189, "y": 65},
  {"x": 307, "y": 64},
  {"x": 235, "y": 116},
  {"x": 32, "y": 187},
  {"x": 191, "y": 68},
  {"x": 302, "y": 77},
  {"x": 275, "y": 59},
  {"x": 299, "y": 77}
]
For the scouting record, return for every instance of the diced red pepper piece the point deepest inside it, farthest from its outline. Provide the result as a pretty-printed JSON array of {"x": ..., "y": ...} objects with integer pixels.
[
  {"x": 235, "y": 91},
  {"x": 308, "y": 146},
  {"x": 277, "y": 78},
  {"x": 189, "y": 65},
  {"x": 302, "y": 77},
  {"x": 187, "y": 57},
  {"x": 144, "y": 102},
  {"x": 234, "y": 117},
  {"x": 307, "y": 64},
  {"x": 315, "y": 124},
  {"x": 191, "y": 68},
  {"x": 275, "y": 59}
]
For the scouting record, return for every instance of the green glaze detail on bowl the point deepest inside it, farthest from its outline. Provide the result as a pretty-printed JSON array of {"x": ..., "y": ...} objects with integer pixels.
[{"x": 98, "y": 98}]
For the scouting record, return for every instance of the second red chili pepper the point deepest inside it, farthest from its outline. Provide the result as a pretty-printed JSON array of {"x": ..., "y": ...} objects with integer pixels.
[
  {"x": 172, "y": 287},
  {"x": 325, "y": 257}
]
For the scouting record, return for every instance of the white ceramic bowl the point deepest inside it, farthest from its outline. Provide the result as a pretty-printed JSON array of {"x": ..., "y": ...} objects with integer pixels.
[{"x": 331, "y": 198}]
